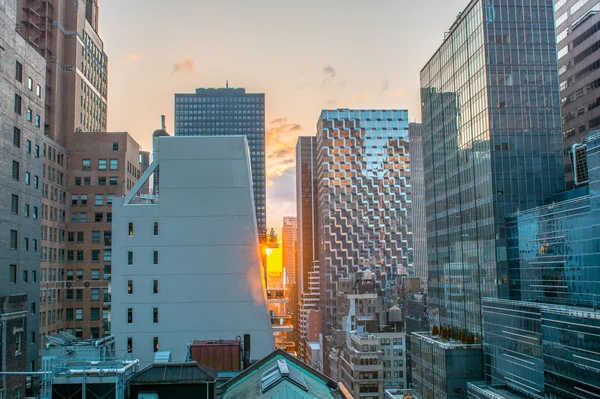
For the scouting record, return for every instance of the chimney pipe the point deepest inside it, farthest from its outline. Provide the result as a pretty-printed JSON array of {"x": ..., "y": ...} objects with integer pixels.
[
  {"x": 246, "y": 351},
  {"x": 162, "y": 122}
]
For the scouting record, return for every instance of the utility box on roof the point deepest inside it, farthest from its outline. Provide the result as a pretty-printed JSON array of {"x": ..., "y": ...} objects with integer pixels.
[{"x": 221, "y": 355}]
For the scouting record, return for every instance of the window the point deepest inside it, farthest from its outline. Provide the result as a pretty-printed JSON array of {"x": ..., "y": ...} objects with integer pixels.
[
  {"x": 17, "y": 137},
  {"x": 113, "y": 180},
  {"x": 99, "y": 199},
  {"x": 130, "y": 229},
  {"x": 155, "y": 257},
  {"x": 102, "y": 164},
  {"x": 30, "y": 84},
  {"x": 84, "y": 199},
  {"x": 114, "y": 164},
  {"x": 130, "y": 257},
  {"x": 95, "y": 274},
  {"x": 14, "y": 204},
  {"x": 35, "y": 212},
  {"x": 94, "y": 332},
  {"x": 25, "y": 276},
  {"x": 27, "y": 178},
  {"x": 80, "y": 236},
  {"x": 14, "y": 237},
  {"x": 15, "y": 170},
  {"x": 26, "y": 242},
  {"x": 115, "y": 146},
  {"x": 79, "y": 314},
  {"x": 94, "y": 313},
  {"x": 83, "y": 217},
  {"x": 155, "y": 228},
  {"x": 109, "y": 217},
  {"x": 79, "y": 256},
  {"x": 12, "y": 274},
  {"x": 102, "y": 181},
  {"x": 155, "y": 315},
  {"x": 155, "y": 344},
  {"x": 38, "y": 91},
  {"x": 36, "y": 184},
  {"x": 71, "y": 236},
  {"x": 29, "y": 115},
  {"x": 74, "y": 199},
  {"x": 129, "y": 315},
  {"x": 98, "y": 217},
  {"x": 26, "y": 210},
  {"x": 69, "y": 297},
  {"x": 79, "y": 294},
  {"x": 34, "y": 242},
  {"x": 19, "y": 72},
  {"x": 33, "y": 310},
  {"x": 87, "y": 181},
  {"x": 95, "y": 255},
  {"x": 17, "y": 391},
  {"x": 18, "y": 342},
  {"x": 107, "y": 254},
  {"x": 95, "y": 236},
  {"x": 79, "y": 333},
  {"x": 86, "y": 164},
  {"x": 37, "y": 151},
  {"x": 17, "y": 104},
  {"x": 28, "y": 146},
  {"x": 129, "y": 287},
  {"x": 79, "y": 274},
  {"x": 129, "y": 344},
  {"x": 38, "y": 120},
  {"x": 34, "y": 276},
  {"x": 109, "y": 199},
  {"x": 155, "y": 287},
  {"x": 70, "y": 274},
  {"x": 95, "y": 294}
]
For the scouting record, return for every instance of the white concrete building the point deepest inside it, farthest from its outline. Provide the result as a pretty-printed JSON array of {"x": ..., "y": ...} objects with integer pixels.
[{"x": 186, "y": 262}]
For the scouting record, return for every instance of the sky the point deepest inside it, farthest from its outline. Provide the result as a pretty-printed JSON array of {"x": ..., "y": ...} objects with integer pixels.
[{"x": 304, "y": 55}]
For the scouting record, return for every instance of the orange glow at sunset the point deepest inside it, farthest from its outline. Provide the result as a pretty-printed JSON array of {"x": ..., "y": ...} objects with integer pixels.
[{"x": 274, "y": 260}]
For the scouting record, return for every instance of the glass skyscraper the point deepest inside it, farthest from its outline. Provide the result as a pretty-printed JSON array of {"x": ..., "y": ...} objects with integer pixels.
[
  {"x": 364, "y": 206},
  {"x": 492, "y": 145},
  {"x": 226, "y": 112},
  {"x": 417, "y": 184}
]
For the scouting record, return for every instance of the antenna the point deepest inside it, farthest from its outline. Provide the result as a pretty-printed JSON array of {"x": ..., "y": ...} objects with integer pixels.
[
  {"x": 162, "y": 122},
  {"x": 227, "y": 84}
]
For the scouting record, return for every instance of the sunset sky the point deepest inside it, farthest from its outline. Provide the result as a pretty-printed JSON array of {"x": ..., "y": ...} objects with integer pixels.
[{"x": 304, "y": 55}]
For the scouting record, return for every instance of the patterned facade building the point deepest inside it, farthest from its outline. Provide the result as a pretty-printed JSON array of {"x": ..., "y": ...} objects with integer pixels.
[
  {"x": 289, "y": 244},
  {"x": 364, "y": 207}
]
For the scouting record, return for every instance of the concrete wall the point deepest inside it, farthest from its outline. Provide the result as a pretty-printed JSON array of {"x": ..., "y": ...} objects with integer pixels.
[{"x": 209, "y": 269}]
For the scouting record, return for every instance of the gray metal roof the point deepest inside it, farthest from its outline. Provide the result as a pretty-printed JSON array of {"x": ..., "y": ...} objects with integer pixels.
[{"x": 175, "y": 373}]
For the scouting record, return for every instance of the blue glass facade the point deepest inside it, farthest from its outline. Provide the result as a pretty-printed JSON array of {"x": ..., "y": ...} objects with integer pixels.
[
  {"x": 226, "y": 112},
  {"x": 492, "y": 145}
]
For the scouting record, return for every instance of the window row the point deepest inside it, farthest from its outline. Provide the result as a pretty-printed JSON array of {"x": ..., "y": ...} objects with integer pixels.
[
  {"x": 130, "y": 258},
  {"x": 54, "y": 155},
  {"x": 130, "y": 315},
  {"x": 112, "y": 164},
  {"x": 130, "y": 229},
  {"x": 130, "y": 344},
  {"x": 130, "y": 287},
  {"x": 30, "y": 83},
  {"x": 28, "y": 211},
  {"x": 29, "y": 146},
  {"x": 14, "y": 242},
  {"x": 102, "y": 181},
  {"x": 16, "y": 175},
  {"x": 27, "y": 276}
]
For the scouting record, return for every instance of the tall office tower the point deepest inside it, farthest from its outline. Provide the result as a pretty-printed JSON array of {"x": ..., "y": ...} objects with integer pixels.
[
  {"x": 417, "y": 184},
  {"x": 577, "y": 37},
  {"x": 229, "y": 112},
  {"x": 492, "y": 145},
  {"x": 289, "y": 244},
  {"x": 192, "y": 249},
  {"x": 22, "y": 72},
  {"x": 306, "y": 208},
  {"x": 77, "y": 71},
  {"x": 363, "y": 199},
  {"x": 102, "y": 167}
]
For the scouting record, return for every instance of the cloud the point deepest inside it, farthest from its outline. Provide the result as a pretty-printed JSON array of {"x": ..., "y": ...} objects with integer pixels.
[
  {"x": 363, "y": 96},
  {"x": 281, "y": 138},
  {"x": 400, "y": 92},
  {"x": 185, "y": 65},
  {"x": 133, "y": 57},
  {"x": 385, "y": 85},
  {"x": 328, "y": 75}
]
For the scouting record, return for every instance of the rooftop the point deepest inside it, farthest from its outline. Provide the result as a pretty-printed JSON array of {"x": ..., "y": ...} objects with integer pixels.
[
  {"x": 177, "y": 373},
  {"x": 449, "y": 344}
]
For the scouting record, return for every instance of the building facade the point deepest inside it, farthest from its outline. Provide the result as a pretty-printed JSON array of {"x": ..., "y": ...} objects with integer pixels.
[
  {"x": 492, "y": 145},
  {"x": 289, "y": 247},
  {"x": 173, "y": 257},
  {"x": 364, "y": 207},
  {"x": 103, "y": 166},
  {"x": 577, "y": 40},
  {"x": 417, "y": 184},
  {"x": 22, "y": 75},
  {"x": 306, "y": 207},
  {"x": 226, "y": 112},
  {"x": 77, "y": 67}
]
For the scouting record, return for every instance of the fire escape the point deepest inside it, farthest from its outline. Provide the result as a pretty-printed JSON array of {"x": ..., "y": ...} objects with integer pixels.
[{"x": 36, "y": 23}]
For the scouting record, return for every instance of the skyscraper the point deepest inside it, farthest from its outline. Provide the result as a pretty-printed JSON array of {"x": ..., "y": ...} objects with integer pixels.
[
  {"x": 226, "y": 112},
  {"x": 77, "y": 67},
  {"x": 22, "y": 74},
  {"x": 289, "y": 245},
  {"x": 306, "y": 208},
  {"x": 417, "y": 185},
  {"x": 492, "y": 145},
  {"x": 363, "y": 199},
  {"x": 577, "y": 25}
]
